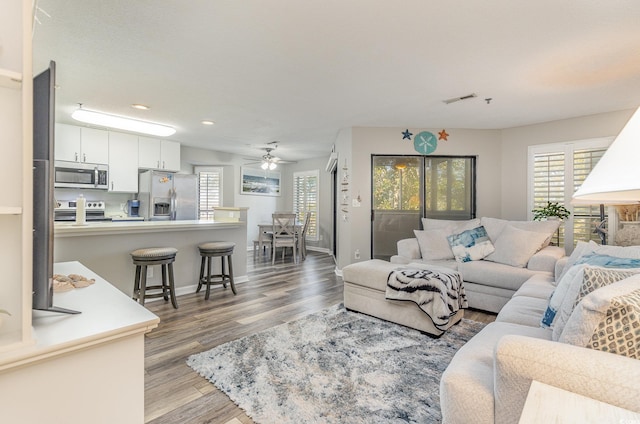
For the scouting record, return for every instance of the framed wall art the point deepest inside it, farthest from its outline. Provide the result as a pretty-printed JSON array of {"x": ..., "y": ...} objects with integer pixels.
[{"x": 259, "y": 182}]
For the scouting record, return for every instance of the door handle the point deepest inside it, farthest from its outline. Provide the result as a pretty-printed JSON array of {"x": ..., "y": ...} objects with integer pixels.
[{"x": 95, "y": 176}]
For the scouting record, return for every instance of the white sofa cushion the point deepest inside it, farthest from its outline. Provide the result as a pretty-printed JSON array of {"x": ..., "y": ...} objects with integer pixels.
[
  {"x": 495, "y": 226},
  {"x": 523, "y": 310},
  {"x": 433, "y": 238},
  {"x": 515, "y": 246},
  {"x": 466, "y": 386},
  {"x": 593, "y": 278},
  {"x": 608, "y": 319},
  {"x": 433, "y": 244}
]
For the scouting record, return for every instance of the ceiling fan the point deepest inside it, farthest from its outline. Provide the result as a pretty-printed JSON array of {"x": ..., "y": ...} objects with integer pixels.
[{"x": 269, "y": 161}]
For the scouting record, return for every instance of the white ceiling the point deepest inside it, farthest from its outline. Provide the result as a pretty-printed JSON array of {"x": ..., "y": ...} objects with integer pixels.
[{"x": 298, "y": 71}]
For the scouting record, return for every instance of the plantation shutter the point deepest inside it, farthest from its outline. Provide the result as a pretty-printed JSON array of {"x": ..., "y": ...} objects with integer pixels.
[
  {"x": 556, "y": 171},
  {"x": 210, "y": 191},
  {"x": 584, "y": 217},
  {"x": 305, "y": 200},
  {"x": 548, "y": 183}
]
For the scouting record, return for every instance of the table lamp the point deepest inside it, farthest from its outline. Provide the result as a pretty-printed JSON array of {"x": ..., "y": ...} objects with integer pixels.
[{"x": 615, "y": 180}]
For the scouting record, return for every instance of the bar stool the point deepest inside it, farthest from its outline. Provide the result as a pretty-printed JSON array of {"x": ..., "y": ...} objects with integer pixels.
[
  {"x": 142, "y": 258},
  {"x": 222, "y": 249}
]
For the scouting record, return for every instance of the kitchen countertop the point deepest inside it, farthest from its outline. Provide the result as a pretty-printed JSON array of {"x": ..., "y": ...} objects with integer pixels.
[{"x": 63, "y": 229}]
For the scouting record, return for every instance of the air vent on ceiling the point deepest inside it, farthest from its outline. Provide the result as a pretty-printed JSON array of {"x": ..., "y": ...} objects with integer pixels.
[{"x": 458, "y": 99}]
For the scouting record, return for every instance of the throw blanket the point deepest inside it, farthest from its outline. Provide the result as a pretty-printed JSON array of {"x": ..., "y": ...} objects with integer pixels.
[{"x": 439, "y": 294}]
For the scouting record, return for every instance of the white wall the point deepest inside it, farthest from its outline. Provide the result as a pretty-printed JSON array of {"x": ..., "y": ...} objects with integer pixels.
[
  {"x": 358, "y": 146},
  {"x": 260, "y": 207},
  {"x": 515, "y": 142}
]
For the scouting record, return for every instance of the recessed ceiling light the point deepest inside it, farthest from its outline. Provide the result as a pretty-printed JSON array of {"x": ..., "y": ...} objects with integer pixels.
[
  {"x": 140, "y": 106},
  {"x": 122, "y": 123},
  {"x": 207, "y": 122}
]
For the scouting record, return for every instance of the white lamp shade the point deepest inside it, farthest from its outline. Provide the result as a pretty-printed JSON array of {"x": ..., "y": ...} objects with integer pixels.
[{"x": 615, "y": 179}]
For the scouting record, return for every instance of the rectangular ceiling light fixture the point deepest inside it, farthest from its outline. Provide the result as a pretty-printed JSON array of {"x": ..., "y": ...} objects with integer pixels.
[
  {"x": 122, "y": 123},
  {"x": 457, "y": 99}
]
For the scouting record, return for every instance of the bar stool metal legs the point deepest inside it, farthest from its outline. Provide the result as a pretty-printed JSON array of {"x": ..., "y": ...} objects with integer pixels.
[
  {"x": 208, "y": 251},
  {"x": 163, "y": 256}
]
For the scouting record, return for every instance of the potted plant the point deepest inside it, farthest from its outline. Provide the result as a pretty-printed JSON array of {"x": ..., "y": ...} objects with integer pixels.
[{"x": 551, "y": 210}]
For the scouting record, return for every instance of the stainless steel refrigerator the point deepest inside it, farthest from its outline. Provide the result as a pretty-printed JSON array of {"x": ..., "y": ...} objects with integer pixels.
[{"x": 168, "y": 196}]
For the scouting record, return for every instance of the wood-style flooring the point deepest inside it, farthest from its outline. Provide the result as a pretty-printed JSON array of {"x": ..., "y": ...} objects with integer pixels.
[{"x": 174, "y": 393}]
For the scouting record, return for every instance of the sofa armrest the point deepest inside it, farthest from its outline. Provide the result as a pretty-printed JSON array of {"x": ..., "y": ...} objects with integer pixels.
[
  {"x": 409, "y": 248},
  {"x": 603, "y": 376},
  {"x": 545, "y": 259}
]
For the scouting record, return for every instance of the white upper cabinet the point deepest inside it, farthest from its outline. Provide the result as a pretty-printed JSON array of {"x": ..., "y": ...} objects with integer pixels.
[
  {"x": 80, "y": 144},
  {"x": 123, "y": 163},
  {"x": 158, "y": 154},
  {"x": 170, "y": 155}
]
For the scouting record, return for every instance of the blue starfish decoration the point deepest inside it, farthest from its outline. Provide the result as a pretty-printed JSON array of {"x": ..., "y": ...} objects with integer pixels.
[{"x": 406, "y": 134}]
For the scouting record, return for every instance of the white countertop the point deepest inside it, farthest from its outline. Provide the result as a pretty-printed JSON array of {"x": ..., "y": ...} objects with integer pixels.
[
  {"x": 63, "y": 229},
  {"x": 106, "y": 314}
]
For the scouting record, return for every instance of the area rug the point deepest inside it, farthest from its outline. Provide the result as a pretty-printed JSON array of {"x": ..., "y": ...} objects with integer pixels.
[{"x": 335, "y": 366}]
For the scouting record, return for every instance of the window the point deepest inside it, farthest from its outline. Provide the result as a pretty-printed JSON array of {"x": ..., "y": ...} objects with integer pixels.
[
  {"x": 407, "y": 188},
  {"x": 209, "y": 190},
  {"x": 305, "y": 200},
  {"x": 556, "y": 171}
]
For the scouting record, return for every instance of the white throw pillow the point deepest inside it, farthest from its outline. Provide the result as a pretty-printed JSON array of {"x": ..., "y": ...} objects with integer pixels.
[
  {"x": 433, "y": 244},
  {"x": 495, "y": 226},
  {"x": 470, "y": 245},
  {"x": 607, "y": 319},
  {"x": 573, "y": 276},
  {"x": 515, "y": 246},
  {"x": 593, "y": 278}
]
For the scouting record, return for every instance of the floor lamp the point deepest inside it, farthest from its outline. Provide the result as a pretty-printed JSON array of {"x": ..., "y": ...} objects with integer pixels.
[{"x": 615, "y": 180}]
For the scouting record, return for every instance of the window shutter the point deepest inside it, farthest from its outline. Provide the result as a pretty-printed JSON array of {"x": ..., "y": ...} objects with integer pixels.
[
  {"x": 210, "y": 191},
  {"x": 584, "y": 217},
  {"x": 305, "y": 200}
]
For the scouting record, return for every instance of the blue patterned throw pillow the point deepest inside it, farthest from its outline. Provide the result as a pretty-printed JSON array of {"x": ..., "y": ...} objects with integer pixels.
[{"x": 471, "y": 245}]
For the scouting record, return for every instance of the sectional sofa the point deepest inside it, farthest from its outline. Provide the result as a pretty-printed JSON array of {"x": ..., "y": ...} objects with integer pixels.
[
  {"x": 574, "y": 325},
  {"x": 521, "y": 250},
  {"x": 579, "y": 332}
]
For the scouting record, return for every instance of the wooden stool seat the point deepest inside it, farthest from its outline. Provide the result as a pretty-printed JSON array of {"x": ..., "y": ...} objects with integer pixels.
[
  {"x": 222, "y": 249},
  {"x": 142, "y": 258}
]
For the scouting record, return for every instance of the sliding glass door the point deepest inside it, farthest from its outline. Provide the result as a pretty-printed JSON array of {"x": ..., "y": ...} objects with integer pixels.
[{"x": 407, "y": 188}]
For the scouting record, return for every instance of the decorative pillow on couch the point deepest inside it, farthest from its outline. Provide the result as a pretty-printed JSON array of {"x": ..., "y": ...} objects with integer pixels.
[
  {"x": 571, "y": 277},
  {"x": 515, "y": 246},
  {"x": 496, "y": 226},
  {"x": 593, "y": 278},
  {"x": 470, "y": 245},
  {"x": 608, "y": 319},
  {"x": 433, "y": 241},
  {"x": 433, "y": 244}
]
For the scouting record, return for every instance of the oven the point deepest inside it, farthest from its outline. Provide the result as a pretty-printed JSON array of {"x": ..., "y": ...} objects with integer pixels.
[
  {"x": 66, "y": 211},
  {"x": 80, "y": 175}
]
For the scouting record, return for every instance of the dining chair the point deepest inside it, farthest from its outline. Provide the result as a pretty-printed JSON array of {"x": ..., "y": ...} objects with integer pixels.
[
  {"x": 302, "y": 239},
  {"x": 284, "y": 234}
]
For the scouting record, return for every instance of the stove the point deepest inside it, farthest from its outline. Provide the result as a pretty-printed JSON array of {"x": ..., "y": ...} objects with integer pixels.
[{"x": 66, "y": 210}]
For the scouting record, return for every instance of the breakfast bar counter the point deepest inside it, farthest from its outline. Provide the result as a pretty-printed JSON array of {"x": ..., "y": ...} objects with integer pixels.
[{"x": 104, "y": 247}]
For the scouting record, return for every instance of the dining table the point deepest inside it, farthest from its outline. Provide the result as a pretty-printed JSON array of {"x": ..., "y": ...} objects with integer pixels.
[{"x": 265, "y": 232}]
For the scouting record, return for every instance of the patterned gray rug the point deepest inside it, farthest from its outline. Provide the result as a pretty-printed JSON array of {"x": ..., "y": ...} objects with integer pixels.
[{"x": 335, "y": 366}]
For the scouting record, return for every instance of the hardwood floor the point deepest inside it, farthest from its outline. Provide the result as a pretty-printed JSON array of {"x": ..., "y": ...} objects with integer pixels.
[{"x": 174, "y": 393}]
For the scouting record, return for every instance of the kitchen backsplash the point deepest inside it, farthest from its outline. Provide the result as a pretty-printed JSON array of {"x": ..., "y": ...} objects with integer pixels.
[{"x": 113, "y": 201}]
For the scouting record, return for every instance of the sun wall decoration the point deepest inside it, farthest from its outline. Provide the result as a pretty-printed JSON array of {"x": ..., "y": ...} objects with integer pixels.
[{"x": 425, "y": 142}]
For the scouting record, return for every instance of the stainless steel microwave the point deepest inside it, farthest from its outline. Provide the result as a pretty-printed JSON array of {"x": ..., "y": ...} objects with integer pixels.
[{"x": 80, "y": 175}]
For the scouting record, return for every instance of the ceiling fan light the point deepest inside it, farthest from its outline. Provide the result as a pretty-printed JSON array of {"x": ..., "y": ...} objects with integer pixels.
[
  {"x": 264, "y": 165},
  {"x": 122, "y": 123},
  {"x": 272, "y": 166}
]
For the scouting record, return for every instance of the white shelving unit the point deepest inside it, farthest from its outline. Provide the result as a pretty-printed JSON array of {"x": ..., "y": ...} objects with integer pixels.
[{"x": 16, "y": 129}]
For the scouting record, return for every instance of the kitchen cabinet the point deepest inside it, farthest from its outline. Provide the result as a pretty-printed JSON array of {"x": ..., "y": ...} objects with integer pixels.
[
  {"x": 158, "y": 154},
  {"x": 123, "y": 163},
  {"x": 81, "y": 144}
]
